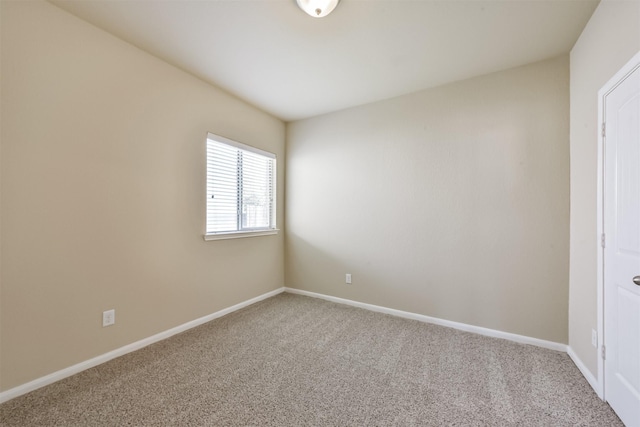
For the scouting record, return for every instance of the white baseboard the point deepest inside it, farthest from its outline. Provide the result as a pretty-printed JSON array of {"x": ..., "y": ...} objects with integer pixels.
[
  {"x": 593, "y": 382},
  {"x": 448, "y": 323},
  {"x": 72, "y": 370}
]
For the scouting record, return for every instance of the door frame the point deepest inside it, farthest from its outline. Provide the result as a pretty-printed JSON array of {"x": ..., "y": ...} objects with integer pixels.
[{"x": 613, "y": 82}]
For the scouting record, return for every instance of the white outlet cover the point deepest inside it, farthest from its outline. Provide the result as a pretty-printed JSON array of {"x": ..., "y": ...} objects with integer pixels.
[{"x": 108, "y": 318}]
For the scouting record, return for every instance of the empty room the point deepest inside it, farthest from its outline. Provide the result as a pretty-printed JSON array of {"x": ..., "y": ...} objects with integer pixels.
[{"x": 320, "y": 212}]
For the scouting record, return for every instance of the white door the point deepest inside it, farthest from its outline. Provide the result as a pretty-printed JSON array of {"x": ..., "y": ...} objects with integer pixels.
[{"x": 622, "y": 248}]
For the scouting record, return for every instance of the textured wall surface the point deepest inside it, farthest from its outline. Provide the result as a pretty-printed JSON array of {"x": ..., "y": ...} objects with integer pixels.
[
  {"x": 452, "y": 202},
  {"x": 103, "y": 184},
  {"x": 609, "y": 40}
]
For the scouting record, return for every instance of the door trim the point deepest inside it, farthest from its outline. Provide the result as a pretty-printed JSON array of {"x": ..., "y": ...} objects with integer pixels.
[{"x": 613, "y": 82}]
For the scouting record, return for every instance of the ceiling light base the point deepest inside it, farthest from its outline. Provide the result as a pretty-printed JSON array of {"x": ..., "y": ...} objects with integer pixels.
[{"x": 317, "y": 8}]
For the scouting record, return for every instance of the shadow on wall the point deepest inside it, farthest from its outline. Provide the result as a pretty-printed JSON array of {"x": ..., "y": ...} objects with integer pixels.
[{"x": 450, "y": 202}]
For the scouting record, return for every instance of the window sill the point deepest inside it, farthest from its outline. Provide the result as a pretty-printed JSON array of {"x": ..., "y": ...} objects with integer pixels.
[{"x": 239, "y": 234}]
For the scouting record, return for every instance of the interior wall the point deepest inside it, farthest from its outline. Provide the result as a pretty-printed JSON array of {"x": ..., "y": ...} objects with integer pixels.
[
  {"x": 0, "y": 192},
  {"x": 103, "y": 184},
  {"x": 452, "y": 202},
  {"x": 609, "y": 40}
]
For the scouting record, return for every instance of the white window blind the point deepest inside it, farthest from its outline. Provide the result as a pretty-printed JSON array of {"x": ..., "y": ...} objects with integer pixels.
[{"x": 240, "y": 187}]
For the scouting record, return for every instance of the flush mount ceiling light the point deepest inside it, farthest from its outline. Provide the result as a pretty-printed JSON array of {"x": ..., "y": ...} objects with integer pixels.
[{"x": 317, "y": 8}]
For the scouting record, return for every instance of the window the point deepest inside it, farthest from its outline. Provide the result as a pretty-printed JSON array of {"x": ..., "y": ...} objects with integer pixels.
[{"x": 241, "y": 198}]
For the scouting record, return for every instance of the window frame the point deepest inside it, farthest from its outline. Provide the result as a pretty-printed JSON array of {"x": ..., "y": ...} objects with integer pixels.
[{"x": 247, "y": 232}]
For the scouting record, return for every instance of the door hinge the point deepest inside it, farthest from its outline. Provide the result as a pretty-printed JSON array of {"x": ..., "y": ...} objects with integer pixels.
[
  {"x": 604, "y": 353},
  {"x": 604, "y": 129},
  {"x": 602, "y": 240}
]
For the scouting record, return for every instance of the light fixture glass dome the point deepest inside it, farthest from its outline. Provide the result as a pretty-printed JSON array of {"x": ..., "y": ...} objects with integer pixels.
[{"x": 317, "y": 8}]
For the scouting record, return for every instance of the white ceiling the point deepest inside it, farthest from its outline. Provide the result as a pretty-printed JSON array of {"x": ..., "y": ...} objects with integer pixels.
[{"x": 273, "y": 55}]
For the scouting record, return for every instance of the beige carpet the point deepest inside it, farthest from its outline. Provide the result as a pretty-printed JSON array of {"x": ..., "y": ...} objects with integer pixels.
[{"x": 298, "y": 361}]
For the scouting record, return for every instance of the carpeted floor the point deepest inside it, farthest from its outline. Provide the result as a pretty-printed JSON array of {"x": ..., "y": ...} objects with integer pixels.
[{"x": 298, "y": 361}]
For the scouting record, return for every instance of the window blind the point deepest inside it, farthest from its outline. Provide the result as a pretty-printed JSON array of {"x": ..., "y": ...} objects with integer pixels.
[{"x": 240, "y": 187}]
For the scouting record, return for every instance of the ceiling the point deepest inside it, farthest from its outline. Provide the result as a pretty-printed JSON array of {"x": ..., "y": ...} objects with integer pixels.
[{"x": 276, "y": 57}]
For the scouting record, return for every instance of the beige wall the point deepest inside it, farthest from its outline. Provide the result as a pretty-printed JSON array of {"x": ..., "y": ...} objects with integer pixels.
[
  {"x": 452, "y": 202},
  {"x": 103, "y": 176},
  {"x": 0, "y": 198},
  {"x": 609, "y": 40}
]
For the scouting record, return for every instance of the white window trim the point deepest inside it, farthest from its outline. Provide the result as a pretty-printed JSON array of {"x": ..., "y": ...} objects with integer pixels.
[
  {"x": 240, "y": 234},
  {"x": 239, "y": 145},
  {"x": 225, "y": 235}
]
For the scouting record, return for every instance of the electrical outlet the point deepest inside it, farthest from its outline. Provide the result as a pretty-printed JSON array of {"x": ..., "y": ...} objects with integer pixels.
[
  {"x": 594, "y": 338},
  {"x": 347, "y": 279},
  {"x": 108, "y": 318}
]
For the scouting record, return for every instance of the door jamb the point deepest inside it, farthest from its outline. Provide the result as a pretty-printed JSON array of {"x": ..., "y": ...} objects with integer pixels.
[{"x": 613, "y": 82}]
